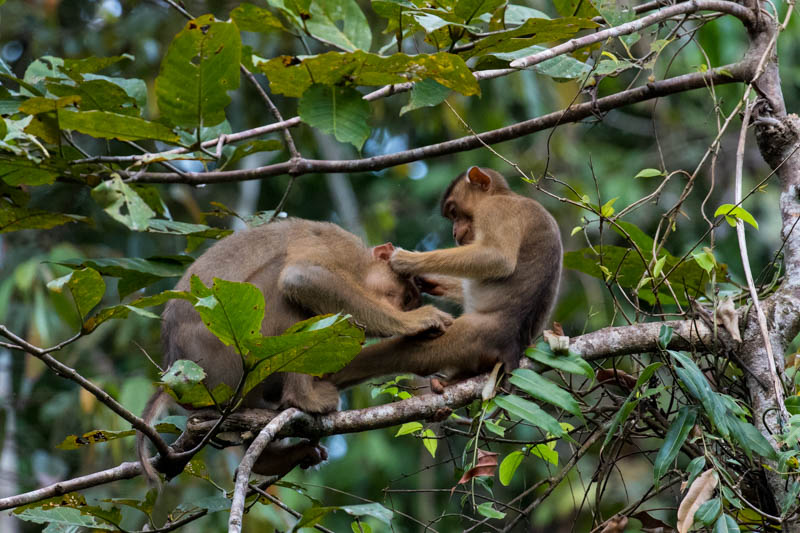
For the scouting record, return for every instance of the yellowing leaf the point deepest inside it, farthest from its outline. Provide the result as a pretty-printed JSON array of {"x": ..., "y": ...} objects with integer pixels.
[
  {"x": 430, "y": 442},
  {"x": 607, "y": 210},
  {"x": 659, "y": 266}
]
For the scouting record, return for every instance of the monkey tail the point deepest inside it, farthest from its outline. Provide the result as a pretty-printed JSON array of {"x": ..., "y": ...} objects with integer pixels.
[{"x": 152, "y": 408}]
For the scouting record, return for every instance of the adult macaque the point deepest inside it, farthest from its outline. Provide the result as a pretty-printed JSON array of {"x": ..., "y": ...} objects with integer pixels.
[
  {"x": 505, "y": 273},
  {"x": 304, "y": 268}
]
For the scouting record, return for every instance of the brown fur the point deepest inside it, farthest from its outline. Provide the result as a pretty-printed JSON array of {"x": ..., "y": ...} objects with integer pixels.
[
  {"x": 304, "y": 268},
  {"x": 509, "y": 263}
]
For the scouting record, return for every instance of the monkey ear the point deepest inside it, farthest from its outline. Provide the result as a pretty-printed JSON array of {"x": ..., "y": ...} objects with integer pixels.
[
  {"x": 383, "y": 252},
  {"x": 478, "y": 177}
]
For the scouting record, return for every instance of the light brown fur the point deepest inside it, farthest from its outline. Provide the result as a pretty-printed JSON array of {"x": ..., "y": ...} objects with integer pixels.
[
  {"x": 304, "y": 268},
  {"x": 509, "y": 265}
]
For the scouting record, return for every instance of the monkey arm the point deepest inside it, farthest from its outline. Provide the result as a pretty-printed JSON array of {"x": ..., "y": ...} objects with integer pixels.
[
  {"x": 446, "y": 287},
  {"x": 472, "y": 345},
  {"x": 321, "y": 291},
  {"x": 475, "y": 261}
]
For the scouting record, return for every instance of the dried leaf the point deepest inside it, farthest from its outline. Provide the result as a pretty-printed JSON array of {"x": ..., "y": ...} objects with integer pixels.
[
  {"x": 730, "y": 321},
  {"x": 558, "y": 343},
  {"x": 488, "y": 391},
  {"x": 615, "y": 524},
  {"x": 558, "y": 329},
  {"x": 701, "y": 491},
  {"x": 485, "y": 466}
]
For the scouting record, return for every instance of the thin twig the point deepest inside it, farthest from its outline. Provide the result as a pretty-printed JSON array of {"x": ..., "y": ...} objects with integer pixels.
[{"x": 266, "y": 436}]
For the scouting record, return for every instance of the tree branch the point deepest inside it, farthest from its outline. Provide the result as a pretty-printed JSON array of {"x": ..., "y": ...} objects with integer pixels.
[{"x": 736, "y": 72}]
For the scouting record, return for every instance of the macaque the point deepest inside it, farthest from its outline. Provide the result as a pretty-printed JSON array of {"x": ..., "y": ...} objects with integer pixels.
[
  {"x": 304, "y": 268},
  {"x": 505, "y": 273}
]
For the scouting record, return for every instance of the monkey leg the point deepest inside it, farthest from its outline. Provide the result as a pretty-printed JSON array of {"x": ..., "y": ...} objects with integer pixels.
[
  {"x": 309, "y": 394},
  {"x": 472, "y": 345},
  {"x": 278, "y": 459}
]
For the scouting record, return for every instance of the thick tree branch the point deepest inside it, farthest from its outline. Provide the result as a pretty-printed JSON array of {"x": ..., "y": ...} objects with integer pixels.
[{"x": 736, "y": 72}]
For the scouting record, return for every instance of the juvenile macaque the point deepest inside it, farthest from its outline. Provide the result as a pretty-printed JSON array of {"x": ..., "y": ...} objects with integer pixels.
[
  {"x": 304, "y": 268},
  {"x": 505, "y": 273}
]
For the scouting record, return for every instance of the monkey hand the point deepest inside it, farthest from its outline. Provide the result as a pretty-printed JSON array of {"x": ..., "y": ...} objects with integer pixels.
[
  {"x": 429, "y": 319},
  {"x": 404, "y": 262}
]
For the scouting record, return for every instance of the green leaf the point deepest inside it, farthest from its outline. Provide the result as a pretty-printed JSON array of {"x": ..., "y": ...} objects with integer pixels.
[
  {"x": 751, "y": 439},
  {"x": 103, "y": 95},
  {"x": 705, "y": 259},
  {"x": 509, "y": 466},
  {"x": 375, "y": 510},
  {"x": 256, "y": 19},
  {"x": 649, "y": 173},
  {"x": 695, "y": 382},
  {"x": 546, "y": 453},
  {"x": 657, "y": 268},
  {"x": 725, "y": 524},
  {"x": 184, "y": 382},
  {"x": 86, "y": 286},
  {"x": 292, "y": 76},
  {"x": 340, "y": 111},
  {"x": 563, "y": 67},
  {"x": 430, "y": 442},
  {"x": 122, "y": 311},
  {"x": 200, "y": 67},
  {"x": 664, "y": 336},
  {"x": 530, "y": 412},
  {"x": 732, "y": 212},
  {"x": 25, "y": 172},
  {"x": 67, "y": 511},
  {"x": 408, "y": 427},
  {"x": 607, "y": 210},
  {"x": 232, "y": 311},
  {"x": 673, "y": 440},
  {"x": 122, "y": 203},
  {"x": 315, "y": 346},
  {"x": 792, "y": 404},
  {"x": 577, "y": 8},
  {"x": 425, "y": 93},
  {"x": 172, "y": 227},
  {"x": 494, "y": 427},
  {"x": 18, "y": 218},
  {"x": 545, "y": 390},
  {"x": 572, "y": 362},
  {"x": 708, "y": 512},
  {"x": 694, "y": 468},
  {"x": 89, "y": 65},
  {"x": 134, "y": 272},
  {"x": 105, "y": 125},
  {"x": 97, "y": 436},
  {"x": 486, "y": 509},
  {"x": 253, "y": 147},
  {"x": 630, "y": 402},
  {"x": 340, "y": 23}
]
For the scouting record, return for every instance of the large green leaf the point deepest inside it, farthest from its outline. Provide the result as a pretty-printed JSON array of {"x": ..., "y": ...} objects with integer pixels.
[
  {"x": 532, "y": 413},
  {"x": 106, "y": 125},
  {"x": 572, "y": 362},
  {"x": 91, "y": 64},
  {"x": 184, "y": 382},
  {"x": 16, "y": 218},
  {"x": 630, "y": 402},
  {"x": 123, "y": 203},
  {"x": 316, "y": 346},
  {"x": 232, "y": 311},
  {"x": 751, "y": 439},
  {"x": 726, "y": 524},
  {"x": 673, "y": 440},
  {"x": 134, "y": 272},
  {"x": 137, "y": 306},
  {"x": 545, "y": 390},
  {"x": 293, "y": 76},
  {"x": 468, "y": 10},
  {"x": 696, "y": 383},
  {"x": 102, "y": 95},
  {"x": 340, "y": 23},
  {"x": 533, "y": 31},
  {"x": 425, "y": 93},
  {"x": 200, "y": 67},
  {"x": 86, "y": 286},
  {"x": 253, "y": 18},
  {"x": 174, "y": 227},
  {"x": 17, "y": 171},
  {"x": 577, "y": 8},
  {"x": 339, "y": 111}
]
